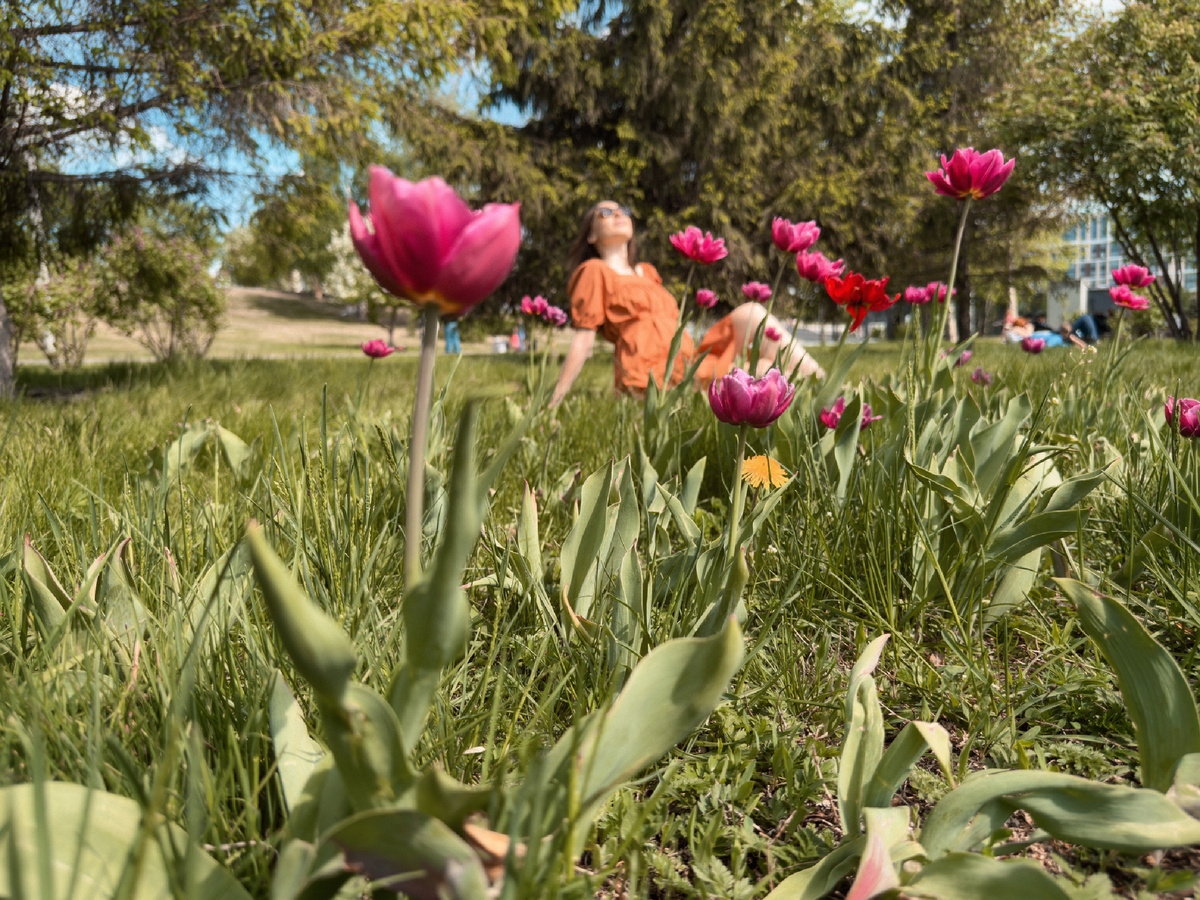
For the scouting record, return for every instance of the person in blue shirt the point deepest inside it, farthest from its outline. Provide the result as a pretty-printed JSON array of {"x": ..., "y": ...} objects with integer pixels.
[
  {"x": 453, "y": 342},
  {"x": 1090, "y": 328}
]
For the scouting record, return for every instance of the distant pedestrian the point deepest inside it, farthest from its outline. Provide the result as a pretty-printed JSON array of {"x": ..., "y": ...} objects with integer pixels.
[
  {"x": 1090, "y": 328},
  {"x": 453, "y": 342},
  {"x": 514, "y": 342}
]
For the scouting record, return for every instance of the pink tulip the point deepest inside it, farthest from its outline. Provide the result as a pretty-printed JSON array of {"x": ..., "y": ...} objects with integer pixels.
[
  {"x": 533, "y": 306},
  {"x": 705, "y": 298},
  {"x": 773, "y": 334},
  {"x": 867, "y": 418},
  {"x": 756, "y": 290},
  {"x": 794, "y": 238},
  {"x": 1133, "y": 276},
  {"x": 917, "y": 295},
  {"x": 556, "y": 316},
  {"x": 981, "y": 377},
  {"x": 963, "y": 358},
  {"x": 1188, "y": 415},
  {"x": 739, "y": 399},
  {"x": 424, "y": 244},
  {"x": 377, "y": 349},
  {"x": 699, "y": 247},
  {"x": 816, "y": 268},
  {"x": 831, "y": 417},
  {"x": 1123, "y": 296},
  {"x": 971, "y": 174},
  {"x": 1033, "y": 345},
  {"x": 938, "y": 289}
]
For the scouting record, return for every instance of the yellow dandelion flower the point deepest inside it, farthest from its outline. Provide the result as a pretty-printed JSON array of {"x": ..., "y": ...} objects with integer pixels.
[{"x": 762, "y": 471}]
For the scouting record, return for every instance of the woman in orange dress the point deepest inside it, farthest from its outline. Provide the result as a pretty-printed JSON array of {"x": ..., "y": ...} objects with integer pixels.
[{"x": 611, "y": 292}]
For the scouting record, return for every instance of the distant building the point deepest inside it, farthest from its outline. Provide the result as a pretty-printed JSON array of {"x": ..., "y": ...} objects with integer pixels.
[{"x": 1094, "y": 253}]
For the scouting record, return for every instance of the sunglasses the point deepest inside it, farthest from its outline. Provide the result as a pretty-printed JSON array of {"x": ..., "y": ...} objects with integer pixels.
[{"x": 607, "y": 212}]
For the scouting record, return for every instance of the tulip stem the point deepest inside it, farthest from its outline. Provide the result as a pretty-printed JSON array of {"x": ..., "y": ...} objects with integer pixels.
[
  {"x": 414, "y": 505},
  {"x": 935, "y": 343},
  {"x": 739, "y": 494}
]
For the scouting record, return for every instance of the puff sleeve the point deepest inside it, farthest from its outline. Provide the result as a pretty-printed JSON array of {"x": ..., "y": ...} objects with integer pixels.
[{"x": 591, "y": 285}]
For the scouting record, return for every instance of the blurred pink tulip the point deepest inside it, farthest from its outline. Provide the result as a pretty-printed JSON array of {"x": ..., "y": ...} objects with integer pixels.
[
  {"x": 555, "y": 315},
  {"x": 424, "y": 244},
  {"x": 1187, "y": 411},
  {"x": 533, "y": 306},
  {"x": 1133, "y": 276},
  {"x": 816, "y": 268},
  {"x": 971, "y": 174},
  {"x": 938, "y": 289},
  {"x": 377, "y": 349},
  {"x": 699, "y": 246},
  {"x": 1123, "y": 296},
  {"x": 794, "y": 238},
  {"x": 756, "y": 290},
  {"x": 705, "y": 298},
  {"x": 917, "y": 295},
  {"x": 1033, "y": 345},
  {"x": 831, "y": 417},
  {"x": 867, "y": 418},
  {"x": 773, "y": 334},
  {"x": 739, "y": 399},
  {"x": 981, "y": 377}
]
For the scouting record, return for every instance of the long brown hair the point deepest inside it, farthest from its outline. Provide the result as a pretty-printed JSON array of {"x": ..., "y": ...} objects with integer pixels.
[{"x": 583, "y": 250}]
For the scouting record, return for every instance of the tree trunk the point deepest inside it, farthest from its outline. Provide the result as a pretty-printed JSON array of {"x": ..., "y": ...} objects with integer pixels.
[
  {"x": 7, "y": 360},
  {"x": 962, "y": 308}
]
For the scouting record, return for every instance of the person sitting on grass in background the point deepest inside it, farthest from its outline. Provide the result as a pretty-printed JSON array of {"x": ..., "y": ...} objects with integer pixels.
[
  {"x": 1090, "y": 328},
  {"x": 611, "y": 292}
]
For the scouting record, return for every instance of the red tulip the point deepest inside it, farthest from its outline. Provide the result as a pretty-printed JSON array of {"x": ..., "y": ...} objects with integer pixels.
[
  {"x": 705, "y": 298},
  {"x": 859, "y": 296},
  {"x": 424, "y": 244},
  {"x": 1123, "y": 296},
  {"x": 1188, "y": 416},
  {"x": 699, "y": 247},
  {"x": 1033, "y": 345},
  {"x": 794, "y": 238},
  {"x": 1133, "y": 276},
  {"x": 971, "y": 174},
  {"x": 738, "y": 399},
  {"x": 377, "y": 349},
  {"x": 756, "y": 290},
  {"x": 816, "y": 268}
]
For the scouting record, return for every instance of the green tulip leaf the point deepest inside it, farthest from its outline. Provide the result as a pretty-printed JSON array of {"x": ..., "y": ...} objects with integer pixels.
[
  {"x": 95, "y": 849},
  {"x": 969, "y": 876},
  {"x": 296, "y": 754},
  {"x": 1155, "y": 692}
]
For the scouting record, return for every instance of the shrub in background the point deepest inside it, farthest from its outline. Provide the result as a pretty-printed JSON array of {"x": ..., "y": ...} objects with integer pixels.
[{"x": 157, "y": 290}]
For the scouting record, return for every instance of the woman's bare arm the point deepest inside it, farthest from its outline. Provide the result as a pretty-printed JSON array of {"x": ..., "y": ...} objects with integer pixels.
[{"x": 580, "y": 350}]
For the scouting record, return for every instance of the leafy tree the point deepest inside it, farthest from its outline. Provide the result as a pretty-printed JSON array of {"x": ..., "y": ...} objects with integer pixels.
[
  {"x": 165, "y": 91},
  {"x": 1114, "y": 114}
]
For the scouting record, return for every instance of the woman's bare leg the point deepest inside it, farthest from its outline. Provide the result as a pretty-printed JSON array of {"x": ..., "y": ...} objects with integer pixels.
[{"x": 784, "y": 353}]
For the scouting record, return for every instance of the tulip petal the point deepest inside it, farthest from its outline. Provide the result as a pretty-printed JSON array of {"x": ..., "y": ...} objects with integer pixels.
[
  {"x": 368, "y": 246},
  {"x": 418, "y": 224},
  {"x": 481, "y": 259}
]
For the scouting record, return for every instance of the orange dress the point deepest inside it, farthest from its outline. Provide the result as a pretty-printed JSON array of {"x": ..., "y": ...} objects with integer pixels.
[{"x": 638, "y": 316}]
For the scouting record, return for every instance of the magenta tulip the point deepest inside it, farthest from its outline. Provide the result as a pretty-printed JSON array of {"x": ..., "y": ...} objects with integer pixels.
[
  {"x": 699, "y": 246},
  {"x": 938, "y": 289},
  {"x": 533, "y": 306},
  {"x": 1184, "y": 414},
  {"x": 773, "y": 334},
  {"x": 377, "y": 349},
  {"x": 794, "y": 238},
  {"x": 424, "y": 244},
  {"x": 815, "y": 267},
  {"x": 1122, "y": 295},
  {"x": 917, "y": 296},
  {"x": 831, "y": 417},
  {"x": 739, "y": 399},
  {"x": 867, "y": 418},
  {"x": 981, "y": 377},
  {"x": 756, "y": 290},
  {"x": 705, "y": 298},
  {"x": 556, "y": 316},
  {"x": 1033, "y": 345},
  {"x": 1133, "y": 276},
  {"x": 971, "y": 174}
]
